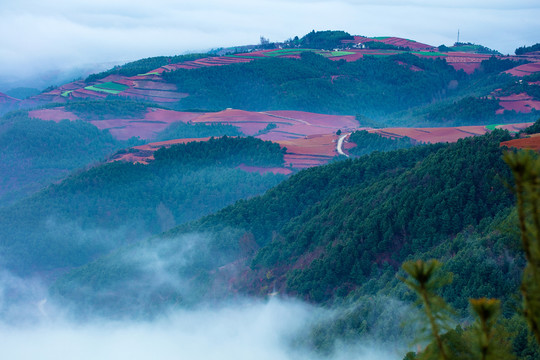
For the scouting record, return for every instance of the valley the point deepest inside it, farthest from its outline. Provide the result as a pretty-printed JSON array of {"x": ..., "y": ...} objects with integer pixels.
[{"x": 295, "y": 175}]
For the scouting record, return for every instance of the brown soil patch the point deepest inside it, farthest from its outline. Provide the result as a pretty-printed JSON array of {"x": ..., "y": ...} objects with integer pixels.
[
  {"x": 145, "y": 153},
  {"x": 264, "y": 170},
  {"x": 525, "y": 69},
  {"x": 469, "y": 68},
  {"x": 55, "y": 114},
  {"x": 518, "y": 102},
  {"x": 329, "y": 121},
  {"x": 432, "y": 135},
  {"x": 515, "y": 127},
  {"x": 532, "y": 142}
]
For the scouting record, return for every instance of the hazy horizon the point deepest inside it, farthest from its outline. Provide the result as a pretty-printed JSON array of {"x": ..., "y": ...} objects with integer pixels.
[{"x": 47, "y": 39}]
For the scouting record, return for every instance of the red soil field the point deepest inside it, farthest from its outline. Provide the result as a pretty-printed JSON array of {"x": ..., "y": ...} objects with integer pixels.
[
  {"x": 329, "y": 121},
  {"x": 465, "y": 61},
  {"x": 90, "y": 93},
  {"x": 523, "y": 106},
  {"x": 432, "y": 135},
  {"x": 154, "y": 99},
  {"x": 304, "y": 161},
  {"x": 170, "y": 116},
  {"x": 154, "y": 121},
  {"x": 117, "y": 79},
  {"x": 263, "y": 170},
  {"x": 524, "y": 70},
  {"x": 413, "y": 45},
  {"x": 204, "y": 62},
  {"x": 518, "y": 102},
  {"x": 515, "y": 97},
  {"x": 56, "y": 114},
  {"x": 154, "y": 85},
  {"x": 410, "y": 67},
  {"x": 469, "y": 68},
  {"x": 532, "y": 143},
  {"x": 309, "y": 151},
  {"x": 514, "y": 127},
  {"x": 349, "y": 58},
  {"x": 7, "y": 99},
  {"x": 145, "y": 153},
  {"x": 318, "y": 145},
  {"x": 155, "y": 93},
  {"x": 259, "y": 53},
  {"x": 250, "y": 123}
]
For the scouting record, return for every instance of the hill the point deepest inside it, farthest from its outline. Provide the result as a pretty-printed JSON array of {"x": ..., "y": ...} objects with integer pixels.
[
  {"x": 333, "y": 234},
  {"x": 376, "y": 211},
  {"x": 310, "y": 169},
  {"x": 33, "y": 152},
  {"x": 286, "y": 77},
  {"x": 94, "y": 211}
]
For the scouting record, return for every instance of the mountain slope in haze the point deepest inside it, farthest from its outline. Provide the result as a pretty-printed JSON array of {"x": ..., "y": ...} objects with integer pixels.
[
  {"x": 92, "y": 212},
  {"x": 33, "y": 152},
  {"x": 352, "y": 80},
  {"x": 337, "y": 230},
  {"x": 333, "y": 235}
]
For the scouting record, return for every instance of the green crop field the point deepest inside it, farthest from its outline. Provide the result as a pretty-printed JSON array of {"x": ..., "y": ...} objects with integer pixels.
[
  {"x": 94, "y": 88},
  {"x": 341, "y": 53},
  {"x": 429, "y": 53},
  {"x": 112, "y": 86},
  {"x": 287, "y": 52},
  {"x": 108, "y": 87},
  {"x": 66, "y": 93},
  {"x": 149, "y": 73},
  {"x": 491, "y": 127}
]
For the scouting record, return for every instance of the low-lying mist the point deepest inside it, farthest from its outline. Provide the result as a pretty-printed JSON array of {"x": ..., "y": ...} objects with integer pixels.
[
  {"x": 244, "y": 330},
  {"x": 37, "y": 323}
]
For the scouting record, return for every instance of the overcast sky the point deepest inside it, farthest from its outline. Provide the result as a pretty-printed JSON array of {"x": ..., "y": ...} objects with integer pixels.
[{"x": 42, "y": 35}]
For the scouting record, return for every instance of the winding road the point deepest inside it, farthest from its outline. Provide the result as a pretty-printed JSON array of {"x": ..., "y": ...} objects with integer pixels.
[{"x": 339, "y": 146}]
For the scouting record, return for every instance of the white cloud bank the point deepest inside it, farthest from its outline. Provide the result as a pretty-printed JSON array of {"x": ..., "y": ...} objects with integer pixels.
[
  {"x": 60, "y": 34},
  {"x": 251, "y": 330}
]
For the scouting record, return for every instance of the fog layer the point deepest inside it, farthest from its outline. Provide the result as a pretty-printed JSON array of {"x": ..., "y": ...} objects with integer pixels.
[{"x": 246, "y": 330}]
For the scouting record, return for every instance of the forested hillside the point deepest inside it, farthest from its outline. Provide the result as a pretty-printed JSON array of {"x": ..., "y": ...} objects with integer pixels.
[
  {"x": 340, "y": 232},
  {"x": 314, "y": 83},
  {"x": 35, "y": 152},
  {"x": 61, "y": 226},
  {"x": 353, "y": 219},
  {"x": 156, "y": 223}
]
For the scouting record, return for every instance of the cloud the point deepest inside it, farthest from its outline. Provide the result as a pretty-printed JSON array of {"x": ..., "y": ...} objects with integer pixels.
[
  {"x": 64, "y": 34},
  {"x": 245, "y": 330},
  {"x": 34, "y": 324}
]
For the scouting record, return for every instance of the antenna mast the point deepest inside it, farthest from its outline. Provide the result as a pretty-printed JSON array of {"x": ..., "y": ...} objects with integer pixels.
[{"x": 457, "y": 35}]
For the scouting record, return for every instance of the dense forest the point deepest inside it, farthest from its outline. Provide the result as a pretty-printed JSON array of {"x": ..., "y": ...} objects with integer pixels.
[
  {"x": 362, "y": 237},
  {"x": 110, "y": 108},
  {"x": 314, "y": 83},
  {"x": 143, "y": 66},
  {"x": 469, "y": 110},
  {"x": 180, "y": 130},
  {"x": 324, "y": 39},
  {"x": 131, "y": 201},
  {"x": 34, "y": 152},
  {"x": 338, "y": 234},
  {"x": 285, "y": 222},
  {"x": 526, "y": 49},
  {"x": 366, "y": 143}
]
